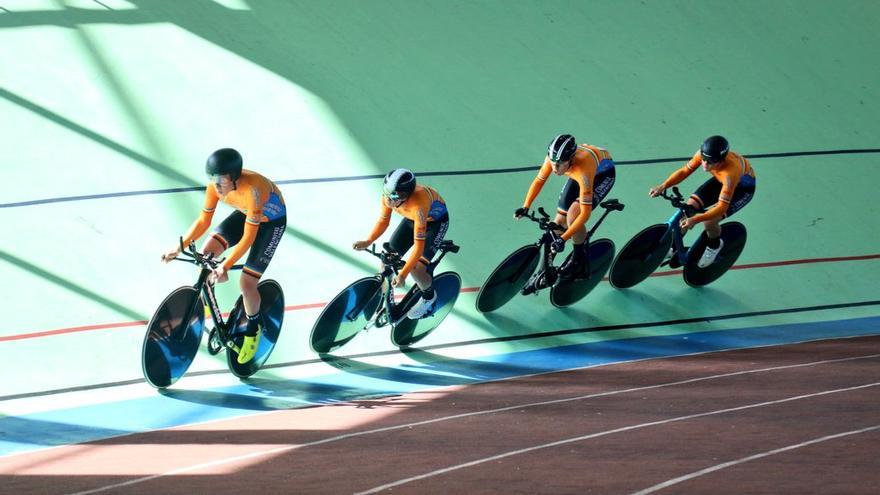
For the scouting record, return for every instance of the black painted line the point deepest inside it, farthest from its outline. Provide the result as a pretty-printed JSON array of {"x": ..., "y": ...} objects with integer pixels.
[
  {"x": 421, "y": 174},
  {"x": 554, "y": 333}
]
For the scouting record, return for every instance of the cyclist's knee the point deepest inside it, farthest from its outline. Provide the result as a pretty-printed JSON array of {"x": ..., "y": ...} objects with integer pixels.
[
  {"x": 562, "y": 218},
  {"x": 421, "y": 268},
  {"x": 712, "y": 227},
  {"x": 248, "y": 283},
  {"x": 213, "y": 246}
]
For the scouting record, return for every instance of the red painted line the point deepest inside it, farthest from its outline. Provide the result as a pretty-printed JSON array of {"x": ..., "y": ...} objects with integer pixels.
[
  {"x": 298, "y": 307},
  {"x": 62, "y": 331},
  {"x": 810, "y": 260},
  {"x": 304, "y": 306}
]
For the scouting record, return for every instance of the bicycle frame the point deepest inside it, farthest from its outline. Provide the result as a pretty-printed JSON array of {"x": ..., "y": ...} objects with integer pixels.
[
  {"x": 683, "y": 209},
  {"x": 550, "y": 235},
  {"x": 393, "y": 264},
  {"x": 677, "y": 237},
  {"x": 207, "y": 290},
  {"x": 550, "y": 228}
]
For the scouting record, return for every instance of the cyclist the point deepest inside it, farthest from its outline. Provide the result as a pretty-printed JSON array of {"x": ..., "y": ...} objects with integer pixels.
[
  {"x": 591, "y": 174},
  {"x": 425, "y": 223},
  {"x": 257, "y": 225},
  {"x": 730, "y": 188}
]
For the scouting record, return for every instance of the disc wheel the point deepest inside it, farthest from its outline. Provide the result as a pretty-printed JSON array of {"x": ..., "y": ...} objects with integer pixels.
[
  {"x": 508, "y": 278},
  {"x": 568, "y": 292},
  {"x": 734, "y": 236},
  {"x": 346, "y": 315},
  {"x": 640, "y": 256}
]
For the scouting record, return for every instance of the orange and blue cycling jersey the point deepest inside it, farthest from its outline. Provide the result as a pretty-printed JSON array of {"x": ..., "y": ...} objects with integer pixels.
[
  {"x": 587, "y": 160},
  {"x": 257, "y": 197},
  {"x": 731, "y": 172},
  {"x": 424, "y": 205}
]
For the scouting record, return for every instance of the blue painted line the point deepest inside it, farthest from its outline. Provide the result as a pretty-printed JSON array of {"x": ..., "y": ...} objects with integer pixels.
[{"x": 180, "y": 407}]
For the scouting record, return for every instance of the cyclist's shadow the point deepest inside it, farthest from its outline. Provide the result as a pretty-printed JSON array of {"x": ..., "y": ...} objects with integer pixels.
[
  {"x": 432, "y": 369},
  {"x": 415, "y": 375},
  {"x": 267, "y": 394}
]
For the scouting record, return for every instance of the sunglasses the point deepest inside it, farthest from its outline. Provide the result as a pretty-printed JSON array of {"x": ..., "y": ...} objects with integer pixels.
[{"x": 394, "y": 196}]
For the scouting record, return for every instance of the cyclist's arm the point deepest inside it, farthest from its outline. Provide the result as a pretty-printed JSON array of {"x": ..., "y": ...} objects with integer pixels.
[
  {"x": 204, "y": 221},
  {"x": 537, "y": 184},
  {"x": 420, "y": 228},
  {"x": 251, "y": 226},
  {"x": 683, "y": 173},
  {"x": 381, "y": 223}
]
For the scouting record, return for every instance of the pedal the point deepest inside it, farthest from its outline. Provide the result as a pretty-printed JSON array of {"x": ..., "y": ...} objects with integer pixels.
[
  {"x": 231, "y": 345},
  {"x": 528, "y": 290}
]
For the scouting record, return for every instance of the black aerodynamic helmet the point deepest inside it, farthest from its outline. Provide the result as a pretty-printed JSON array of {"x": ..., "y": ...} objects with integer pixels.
[
  {"x": 225, "y": 161},
  {"x": 714, "y": 149},
  {"x": 399, "y": 184},
  {"x": 562, "y": 148}
]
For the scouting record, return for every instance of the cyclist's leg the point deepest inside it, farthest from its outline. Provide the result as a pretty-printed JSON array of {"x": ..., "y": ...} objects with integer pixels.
[
  {"x": 602, "y": 184},
  {"x": 742, "y": 195},
  {"x": 568, "y": 195},
  {"x": 259, "y": 256},
  {"x": 574, "y": 264},
  {"x": 704, "y": 197},
  {"x": 604, "y": 180},
  {"x": 434, "y": 235},
  {"x": 402, "y": 238}
]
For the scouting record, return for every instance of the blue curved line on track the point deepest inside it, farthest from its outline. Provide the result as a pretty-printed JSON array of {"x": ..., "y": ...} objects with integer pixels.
[{"x": 181, "y": 407}]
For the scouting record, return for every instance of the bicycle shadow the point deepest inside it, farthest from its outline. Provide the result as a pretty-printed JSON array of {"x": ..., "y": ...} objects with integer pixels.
[
  {"x": 479, "y": 370},
  {"x": 415, "y": 375},
  {"x": 266, "y": 394}
]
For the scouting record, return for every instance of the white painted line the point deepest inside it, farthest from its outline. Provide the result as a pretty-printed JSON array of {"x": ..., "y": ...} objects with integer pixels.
[
  {"x": 602, "y": 434},
  {"x": 286, "y": 448},
  {"x": 723, "y": 465}
]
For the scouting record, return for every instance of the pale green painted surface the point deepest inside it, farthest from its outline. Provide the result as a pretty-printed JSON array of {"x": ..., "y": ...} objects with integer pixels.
[{"x": 99, "y": 101}]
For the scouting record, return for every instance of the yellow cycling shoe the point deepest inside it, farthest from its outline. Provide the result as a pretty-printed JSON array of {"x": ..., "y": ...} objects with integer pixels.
[{"x": 249, "y": 347}]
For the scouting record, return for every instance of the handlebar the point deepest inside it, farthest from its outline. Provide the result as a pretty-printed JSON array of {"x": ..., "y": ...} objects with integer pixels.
[
  {"x": 677, "y": 201},
  {"x": 544, "y": 221},
  {"x": 391, "y": 258},
  {"x": 388, "y": 256},
  {"x": 192, "y": 255}
]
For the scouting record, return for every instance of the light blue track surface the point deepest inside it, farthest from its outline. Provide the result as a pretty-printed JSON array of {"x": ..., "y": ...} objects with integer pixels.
[{"x": 181, "y": 407}]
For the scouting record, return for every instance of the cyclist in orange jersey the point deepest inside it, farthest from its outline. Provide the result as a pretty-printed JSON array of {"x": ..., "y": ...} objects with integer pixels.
[
  {"x": 730, "y": 188},
  {"x": 257, "y": 225},
  {"x": 591, "y": 174},
  {"x": 425, "y": 223}
]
